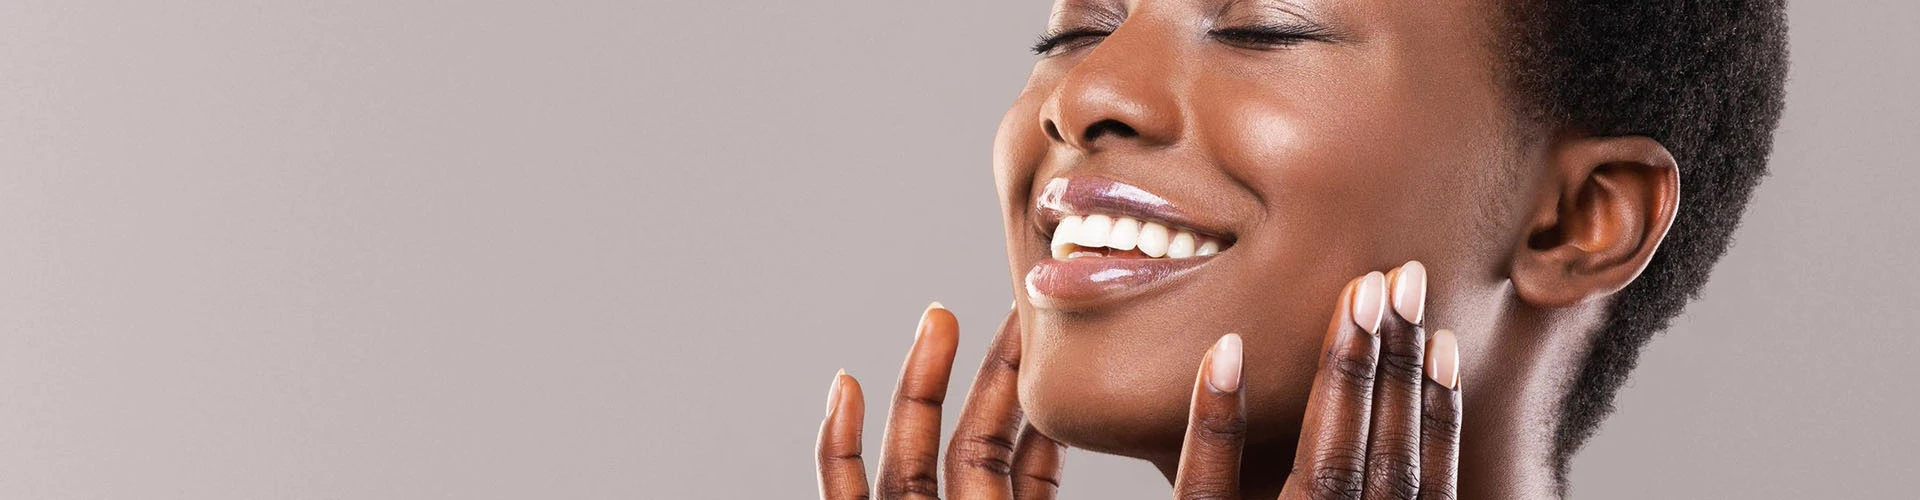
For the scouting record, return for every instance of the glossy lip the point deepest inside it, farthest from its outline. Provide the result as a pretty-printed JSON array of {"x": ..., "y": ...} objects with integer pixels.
[{"x": 1091, "y": 282}]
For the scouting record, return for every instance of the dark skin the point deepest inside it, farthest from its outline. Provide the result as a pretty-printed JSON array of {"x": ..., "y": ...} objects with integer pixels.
[
  {"x": 1325, "y": 139},
  {"x": 1383, "y": 423}
]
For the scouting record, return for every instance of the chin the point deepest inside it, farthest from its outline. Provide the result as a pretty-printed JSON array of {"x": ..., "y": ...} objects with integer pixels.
[
  {"x": 1104, "y": 395},
  {"x": 1120, "y": 382}
]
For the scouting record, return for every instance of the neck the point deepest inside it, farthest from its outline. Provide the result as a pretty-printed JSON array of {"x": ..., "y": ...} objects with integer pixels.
[{"x": 1511, "y": 401}]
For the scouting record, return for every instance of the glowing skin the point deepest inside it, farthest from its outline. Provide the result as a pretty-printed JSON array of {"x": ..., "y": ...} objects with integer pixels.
[
  {"x": 1320, "y": 161},
  {"x": 1282, "y": 160},
  {"x": 1375, "y": 133}
]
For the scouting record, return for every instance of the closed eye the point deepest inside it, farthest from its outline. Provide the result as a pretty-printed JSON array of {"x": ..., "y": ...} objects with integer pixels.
[
  {"x": 1271, "y": 36},
  {"x": 1068, "y": 39}
]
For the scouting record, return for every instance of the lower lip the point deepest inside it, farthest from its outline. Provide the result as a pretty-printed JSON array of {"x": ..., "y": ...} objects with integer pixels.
[{"x": 1084, "y": 283}]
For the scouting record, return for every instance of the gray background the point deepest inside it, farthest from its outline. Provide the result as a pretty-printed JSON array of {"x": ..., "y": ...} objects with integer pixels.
[{"x": 420, "y": 249}]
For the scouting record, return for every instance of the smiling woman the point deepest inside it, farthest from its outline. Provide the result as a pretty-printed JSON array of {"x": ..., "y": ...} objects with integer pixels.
[{"x": 1176, "y": 170}]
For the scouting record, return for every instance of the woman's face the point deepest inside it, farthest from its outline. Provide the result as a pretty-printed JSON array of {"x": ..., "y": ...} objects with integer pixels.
[{"x": 1311, "y": 141}]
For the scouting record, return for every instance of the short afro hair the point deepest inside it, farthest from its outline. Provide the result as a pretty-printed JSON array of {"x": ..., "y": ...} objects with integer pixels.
[{"x": 1707, "y": 79}]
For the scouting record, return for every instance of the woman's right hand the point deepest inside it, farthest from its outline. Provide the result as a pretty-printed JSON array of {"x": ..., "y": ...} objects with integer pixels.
[{"x": 993, "y": 455}]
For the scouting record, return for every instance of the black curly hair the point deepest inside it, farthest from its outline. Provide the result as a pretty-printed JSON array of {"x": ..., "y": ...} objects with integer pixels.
[{"x": 1707, "y": 79}]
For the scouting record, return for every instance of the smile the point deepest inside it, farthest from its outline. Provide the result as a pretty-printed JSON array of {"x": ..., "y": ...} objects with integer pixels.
[
  {"x": 1109, "y": 241},
  {"x": 1109, "y": 236}
]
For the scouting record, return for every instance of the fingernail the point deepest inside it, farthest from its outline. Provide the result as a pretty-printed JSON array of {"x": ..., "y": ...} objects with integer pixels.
[
  {"x": 926, "y": 318},
  {"x": 1443, "y": 355},
  {"x": 833, "y": 392},
  {"x": 1223, "y": 370},
  {"x": 1410, "y": 291},
  {"x": 1369, "y": 302}
]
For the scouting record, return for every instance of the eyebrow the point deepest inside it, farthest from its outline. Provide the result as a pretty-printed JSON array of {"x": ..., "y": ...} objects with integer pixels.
[
  {"x": 1287, "y": 7},
  {"x": 1101, "y": 12}
]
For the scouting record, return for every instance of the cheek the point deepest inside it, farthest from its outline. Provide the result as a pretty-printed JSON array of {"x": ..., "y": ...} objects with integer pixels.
[
  {"x": 1019, "y": 144},
  {"x": 1354, "y": 180}
]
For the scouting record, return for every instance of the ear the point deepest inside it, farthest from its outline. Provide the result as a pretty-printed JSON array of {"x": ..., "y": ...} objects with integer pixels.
[{"x": 1603, "y": 208}]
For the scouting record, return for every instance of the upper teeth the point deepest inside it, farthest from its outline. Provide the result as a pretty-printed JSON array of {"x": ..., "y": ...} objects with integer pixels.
[{"x": 1154, "y": 239}]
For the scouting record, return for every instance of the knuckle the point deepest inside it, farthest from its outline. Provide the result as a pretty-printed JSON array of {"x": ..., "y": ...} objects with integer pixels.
[
  {"x": 907, "y": 476},
  {"x": 915, "y": 484},
  {"x": 1394, "y": 478},
  {"x": 995, "y": 466},
  {"x": 1337, "y": 470},
  {"x": 1353, "y": 369},
  {"x": 985, "y": 452},
  {"x": 830, "y": 455},
  {"x": 1220, "y": 429},
  {"x": 1439, "y": 427},
  {"x": 1401, "y": 364},
  {"x": 1048, "y": 479},
  {"x": 911, "y": 399},
  {"x": 1336, "y": 484}
]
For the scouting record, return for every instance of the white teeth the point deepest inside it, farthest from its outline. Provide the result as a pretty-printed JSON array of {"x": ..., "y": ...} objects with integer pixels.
[
  {"x": 1182, "y": 245},
  {"x": 1094, "y": 231},
  {"x": 1083, "y": 236},
  {"x": 1063, "y": 236},
  {"x": 1153, "y": 240},
  {"x": 1125, "y": 235}
]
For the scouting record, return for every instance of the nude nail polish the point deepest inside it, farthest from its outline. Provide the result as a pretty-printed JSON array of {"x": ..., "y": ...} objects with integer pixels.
[
  {"x": 921, "y": 330},
  {"x": 1410, "y": 292},
  {"x": 833, "y": 392},
  {"x": 1443, "y": 359},
  {"x": 1370, "y": 302},
  {"x": 1223, "y": 370}
]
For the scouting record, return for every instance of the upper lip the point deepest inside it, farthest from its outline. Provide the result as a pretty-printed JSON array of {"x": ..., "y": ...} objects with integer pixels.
[{"x": 1087, "y": 195}]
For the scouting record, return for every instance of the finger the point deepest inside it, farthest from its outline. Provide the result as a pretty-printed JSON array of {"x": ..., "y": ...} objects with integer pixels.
[
  {"x": 980, "y": 454},
  {"x": 843, "y": 475},
  {"x": 1393, "y": 449},
  {"x": 909, "y": 459},
  {"x": 1216, "y": 427},
  {"x": 1331, "y": 460},
  {"x": 1440, "y": 421},
  {"x": 1037, "y": 460}
]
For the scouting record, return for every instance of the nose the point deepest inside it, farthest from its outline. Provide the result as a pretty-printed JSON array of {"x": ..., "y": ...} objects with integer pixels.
[{"x": 1120, "y": 93}]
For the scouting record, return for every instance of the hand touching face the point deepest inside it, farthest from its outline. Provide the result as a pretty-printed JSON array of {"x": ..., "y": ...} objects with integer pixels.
[{"x": 1383, "y": 419}]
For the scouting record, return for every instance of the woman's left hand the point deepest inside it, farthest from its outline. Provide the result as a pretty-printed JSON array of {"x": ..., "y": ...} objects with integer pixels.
[
  {"x": 1382, "y": 420},
  {"x": 992, "y": 455}
]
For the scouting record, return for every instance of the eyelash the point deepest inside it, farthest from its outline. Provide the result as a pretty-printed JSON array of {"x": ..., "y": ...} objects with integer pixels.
[
  {"x": 1259, "y": 36},
  {"x": 1059, "y": 38}
]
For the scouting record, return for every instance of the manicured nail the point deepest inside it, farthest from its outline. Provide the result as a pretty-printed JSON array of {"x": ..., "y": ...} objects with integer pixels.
[
  {"x": 1223, "y": 370},
  {"x": 1370, "y": 302},
  {"x": 1410, "y": 291},
  {"x": 926, "y": 319},
  {"x": 1443, "y": 359},
  {"x": 833, "y": 392}
]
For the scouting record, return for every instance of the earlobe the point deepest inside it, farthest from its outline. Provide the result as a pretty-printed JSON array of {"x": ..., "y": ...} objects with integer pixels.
[{"x": 1602, "y": 210}]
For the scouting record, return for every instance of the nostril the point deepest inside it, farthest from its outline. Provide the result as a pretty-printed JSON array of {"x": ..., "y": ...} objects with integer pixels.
[
  {"x": 1114, "y": 127},
  {"x": 1052, "y": 131}
]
